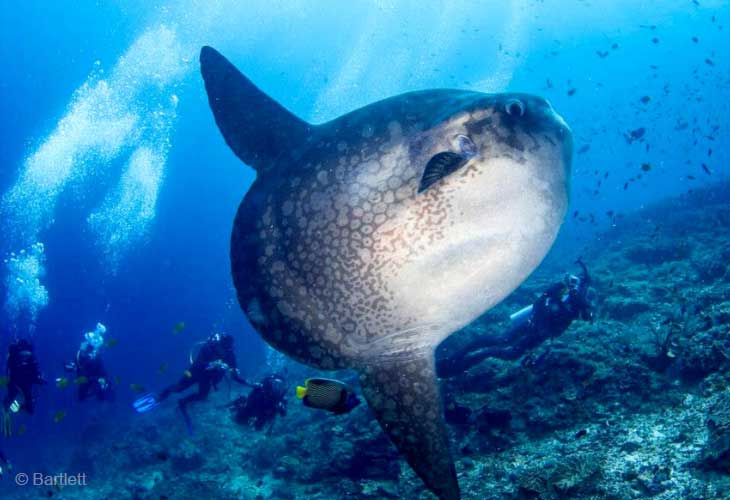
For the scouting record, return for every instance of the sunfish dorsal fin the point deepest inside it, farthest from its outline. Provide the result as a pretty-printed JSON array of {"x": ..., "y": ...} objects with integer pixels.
[
  {"x": 256, "y": 127},
  {"x": 405, "y": 398}
]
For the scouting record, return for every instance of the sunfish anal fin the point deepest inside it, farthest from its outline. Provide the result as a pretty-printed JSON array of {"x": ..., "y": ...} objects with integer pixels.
[{"x": 404, "y": 395}]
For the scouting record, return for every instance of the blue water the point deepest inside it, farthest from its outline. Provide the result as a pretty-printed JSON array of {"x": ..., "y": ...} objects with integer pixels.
[{"x": 112, "y": 160}]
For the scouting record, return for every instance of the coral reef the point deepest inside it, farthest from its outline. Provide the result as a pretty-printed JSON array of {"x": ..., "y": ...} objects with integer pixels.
[{"x": 635, "y": 404}]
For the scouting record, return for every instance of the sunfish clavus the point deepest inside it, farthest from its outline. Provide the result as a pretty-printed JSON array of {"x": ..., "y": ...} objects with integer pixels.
[{"x": 367, "y": 240}]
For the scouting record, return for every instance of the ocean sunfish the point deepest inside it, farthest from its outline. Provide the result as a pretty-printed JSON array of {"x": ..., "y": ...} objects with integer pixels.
[{"x": 367, "y": 240}]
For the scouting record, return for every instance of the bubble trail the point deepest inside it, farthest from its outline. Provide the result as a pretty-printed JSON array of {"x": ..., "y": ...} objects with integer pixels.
[
  {"x": 26, "y": 293},
  {"x": 128, "y": 113}
]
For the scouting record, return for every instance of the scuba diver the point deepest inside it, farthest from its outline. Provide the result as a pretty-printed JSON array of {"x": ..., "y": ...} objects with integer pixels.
[
  {"x": 266, "y": 400},
  {"x": 23, "y": 373},
  {"x": 214, "y": 360},
  {"x": 328, "y": 394},
  {"x": 4, "y": 464},
  {"x": 552, "y": 313},
  {"x": 89, "y": 367}
]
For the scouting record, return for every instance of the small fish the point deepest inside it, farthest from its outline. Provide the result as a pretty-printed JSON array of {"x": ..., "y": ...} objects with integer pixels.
[
  {"x": 706, "y": 169},
  {"x": 646, "y": 167},
  {"x": 136, "y": 387},
  {"x": 81, "y": 380},
  {"x": 645, "y": 99},
  {"x": 62, "y": 382},
  {"x": 614, "y": 46},
  {"x": 626, "y": 186},
  {"x": 695, "y": 39},
  {"x": 328, "y": 394},
  {"x": 602, "y": 54},
  {"x": 575, "y": 214},
  {"x": 709, "y": 152},
  {"x": 691, "y": 177},
  {"x": 610, "y": 213},
  {"x": 21, "y": 429},
  {"x": 709, "y": 62},
  {"x": 187, "y": 374},
  {"x": 112, "y": 342},
  {"x": 572, "y": 92},
  {"x": 584, "y": 149},
  {"x": 655, "y": 40},
  {"x": 178, "y": 328},
  {"x": 59, "y": 416},
  {"x": 4, "y": 381},
  {"x": 635, "y": 135},
  {"x": 117, "y": 380},
  {"x": 163, "y": 368}
]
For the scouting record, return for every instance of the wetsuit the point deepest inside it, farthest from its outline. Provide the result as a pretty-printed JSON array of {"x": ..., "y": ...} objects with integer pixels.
[
  {"x": 551, "y": 315},
  {"x": 207, "y": 371},
  {"x": 97, "y": 380},
  {"x": 23, "y": 373},
  {"x": 4, "y": 463},
  {"x": 265, "y": 401}
]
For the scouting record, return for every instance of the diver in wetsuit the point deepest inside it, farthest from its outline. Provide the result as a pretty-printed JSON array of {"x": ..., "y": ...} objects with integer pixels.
[
  {"x": 89, "y": 366},
  {"x": 266, "y": 400},
  {"x": 22, "y": 374},
  {"x": 4, "y": 464},
  {"x": 215, "y": 359},
  {"x": 552, "y": 313}
]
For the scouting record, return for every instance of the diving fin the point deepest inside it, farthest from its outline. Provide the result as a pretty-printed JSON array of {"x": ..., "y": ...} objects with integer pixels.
[
  {"x": 255, "y": 126},
  {"x": 145, "y": 403},
  {"x": 404, "y": 395}
]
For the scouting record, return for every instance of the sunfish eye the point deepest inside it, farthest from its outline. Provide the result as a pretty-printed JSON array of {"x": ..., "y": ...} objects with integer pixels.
[
  {"x": 466, "y": 146},
  {"x": 514, "y": 107}
]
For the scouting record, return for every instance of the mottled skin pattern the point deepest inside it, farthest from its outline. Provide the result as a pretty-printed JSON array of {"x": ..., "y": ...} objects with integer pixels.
[{"x": 339, "y": 262}]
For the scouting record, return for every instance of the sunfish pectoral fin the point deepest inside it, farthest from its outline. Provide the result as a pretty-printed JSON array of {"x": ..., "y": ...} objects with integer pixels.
[
  {"x": 404, "y": 395},
  {"x": 439, "y": 166},
  {"x": 256, "y": 127}
]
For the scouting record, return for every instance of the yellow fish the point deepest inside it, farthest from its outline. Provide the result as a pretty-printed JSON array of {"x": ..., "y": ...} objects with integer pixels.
[
  {"x": 81, "y": 380},
  {"x": 188, "y": 374},
  {"x": 328, "y": 394},
  {"x": 59, "y": 416},
  {"x": 112, "y": 342},
  {"x": 163, "y": 368},
  {"x": 62, "y": 382},
  {"x": 4, "y": 381},
  {"x": 136, "y": 387},
  {"x": 178, "y": 328}
]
